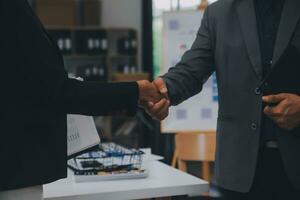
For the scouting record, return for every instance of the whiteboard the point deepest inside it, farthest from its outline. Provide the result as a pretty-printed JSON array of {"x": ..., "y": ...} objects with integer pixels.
[{"x": 199, "y": 113}]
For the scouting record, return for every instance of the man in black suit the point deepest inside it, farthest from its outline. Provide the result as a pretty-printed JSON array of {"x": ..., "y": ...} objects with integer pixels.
[
  {"x": 36, "y": 96},
  {"x": 254, "y": 48}
]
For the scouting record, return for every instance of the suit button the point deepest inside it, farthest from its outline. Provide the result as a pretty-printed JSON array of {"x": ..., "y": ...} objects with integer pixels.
[
  {"x": 253, "y": 127},
  {"x": 257, "y": 91}
]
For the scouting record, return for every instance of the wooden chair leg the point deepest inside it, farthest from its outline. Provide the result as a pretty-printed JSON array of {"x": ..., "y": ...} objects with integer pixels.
[
  {"x": 182, "y": 165},
  {"x": 205, "y": 171},
  {"x": 174, "y": 160}
]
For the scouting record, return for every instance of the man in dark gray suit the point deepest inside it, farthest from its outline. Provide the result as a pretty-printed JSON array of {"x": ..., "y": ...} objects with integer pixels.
[{"x": 254, "y": 48}]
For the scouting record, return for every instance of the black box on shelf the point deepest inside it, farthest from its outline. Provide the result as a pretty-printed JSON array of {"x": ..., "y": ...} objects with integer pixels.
[
  {"x": 63, "y": 39},
  {"x": 127, "y": 46},
  {"x": 91, "y": 42},
  {"x": 90, "y": 72}
]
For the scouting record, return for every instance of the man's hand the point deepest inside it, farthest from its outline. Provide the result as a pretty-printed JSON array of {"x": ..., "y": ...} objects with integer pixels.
[
  {"x": 148, "y": 94},
  {"x": 286, "y": 113},
  {"x": 159, "y": 110}
]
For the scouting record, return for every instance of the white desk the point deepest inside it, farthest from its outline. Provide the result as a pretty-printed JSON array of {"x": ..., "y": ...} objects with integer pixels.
[{"x": 163, "y": 181}]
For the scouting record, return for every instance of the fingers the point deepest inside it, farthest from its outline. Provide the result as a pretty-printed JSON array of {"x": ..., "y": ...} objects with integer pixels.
[
  {"x": 160, "y": 110},
  {"x": 158, "y": 107},
  {"x": 164, "y": 112},
  {"x": 161, "y": 86},
  {"x": 280, "y": 113},
  {"x": 146, "y": 104},
  {"x": 275, "y": 98},
  {"x": 148, "y": 92},
  {"x": 280, "y": 110}
]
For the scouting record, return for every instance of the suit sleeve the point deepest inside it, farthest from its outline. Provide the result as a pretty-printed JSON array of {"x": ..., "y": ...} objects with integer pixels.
[
  {"x": 186, "y": 79},
  {"x": 93, "y": 98},
  {"x": 40, "y": 76}
]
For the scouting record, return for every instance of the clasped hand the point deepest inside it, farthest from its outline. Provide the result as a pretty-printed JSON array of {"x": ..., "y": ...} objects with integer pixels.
[
  {"x": 153, "y": 98},
  {"x": 286, "y": 113}
]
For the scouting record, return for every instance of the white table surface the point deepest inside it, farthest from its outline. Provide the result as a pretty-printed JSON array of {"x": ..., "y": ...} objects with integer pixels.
[{"x": 163, "y": 181}]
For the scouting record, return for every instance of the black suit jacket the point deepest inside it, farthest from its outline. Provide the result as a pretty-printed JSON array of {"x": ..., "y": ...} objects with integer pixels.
[
  {"x": 227, "y": 43},
  {"x": 36, "y": 96}
]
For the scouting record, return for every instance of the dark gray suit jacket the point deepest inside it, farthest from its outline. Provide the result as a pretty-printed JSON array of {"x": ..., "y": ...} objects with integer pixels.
[{"x": 227, "y": 43}]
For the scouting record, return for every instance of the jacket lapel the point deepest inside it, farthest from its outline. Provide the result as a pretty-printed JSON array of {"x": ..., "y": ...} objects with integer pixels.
[
  {"x": 289, "y": 18},
  {"x": 247, "y": 17}
]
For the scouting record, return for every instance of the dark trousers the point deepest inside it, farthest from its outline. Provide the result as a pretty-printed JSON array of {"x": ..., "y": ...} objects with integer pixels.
[{"x": 270, "y": 182}]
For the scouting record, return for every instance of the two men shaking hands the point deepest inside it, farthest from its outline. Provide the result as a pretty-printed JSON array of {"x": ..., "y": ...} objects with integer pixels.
[{"x": 154, "y": 99}]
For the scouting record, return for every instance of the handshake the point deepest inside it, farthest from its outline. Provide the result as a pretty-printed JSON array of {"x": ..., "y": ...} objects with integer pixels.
[{"x": 153, "y": 98}]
